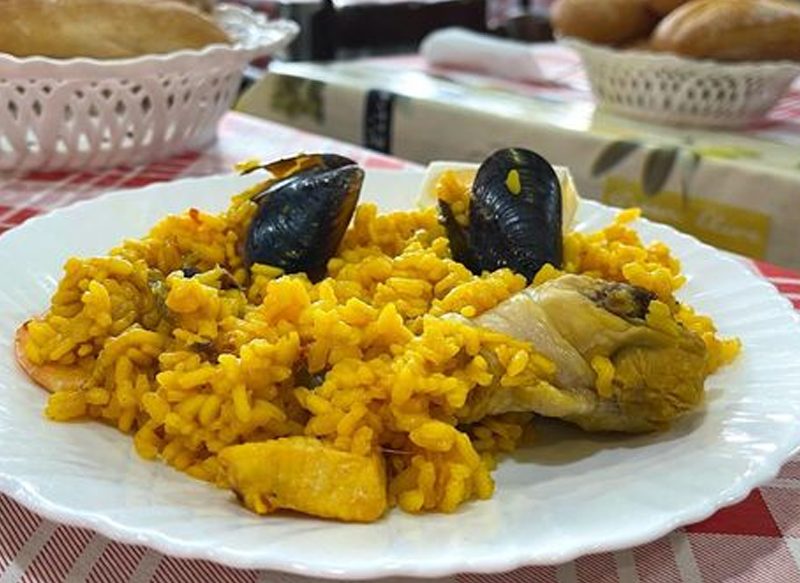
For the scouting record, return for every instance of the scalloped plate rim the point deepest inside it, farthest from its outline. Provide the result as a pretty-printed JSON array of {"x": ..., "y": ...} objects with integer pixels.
[{"x": 705, "y": 506}]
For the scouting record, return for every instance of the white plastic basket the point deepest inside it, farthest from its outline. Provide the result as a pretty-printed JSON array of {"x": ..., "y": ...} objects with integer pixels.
[
  {"x": 89, "y": 113},
  {"x": 674, "y": 90}
]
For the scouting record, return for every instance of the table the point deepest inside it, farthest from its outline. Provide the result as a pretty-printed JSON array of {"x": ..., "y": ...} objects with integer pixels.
[
  {"x": 737, "y": 190},
  {"x": 757, "y": 540}
]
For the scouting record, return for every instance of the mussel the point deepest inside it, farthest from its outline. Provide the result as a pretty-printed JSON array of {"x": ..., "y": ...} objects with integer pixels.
[
  {"x": 303, "y": 214},
  {"x": 514, "y": 216}
]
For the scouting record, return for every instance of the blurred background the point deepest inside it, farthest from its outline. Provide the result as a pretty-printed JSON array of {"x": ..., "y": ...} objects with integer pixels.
[
  {"x": 345, "y": 29},
  {"x": 596, "y": 86}
]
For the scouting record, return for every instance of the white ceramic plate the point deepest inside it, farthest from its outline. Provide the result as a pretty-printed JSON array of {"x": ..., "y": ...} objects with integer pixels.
[{"x": 570, "y": 495}]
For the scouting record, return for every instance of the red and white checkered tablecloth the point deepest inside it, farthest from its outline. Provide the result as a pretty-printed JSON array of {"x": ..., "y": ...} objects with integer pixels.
[{"x": 757, "y": 540}]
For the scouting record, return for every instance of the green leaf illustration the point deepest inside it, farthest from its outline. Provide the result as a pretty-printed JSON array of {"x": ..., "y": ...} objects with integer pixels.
[
  {"x": 690, "y": 162},
  {"x": 612, "y": 155},
  {"x": 727, "y": 152},
  {"x": 297, "y": 97},
  {"x": 316, "y": 100},
  {"x": 656, "y": 170}
]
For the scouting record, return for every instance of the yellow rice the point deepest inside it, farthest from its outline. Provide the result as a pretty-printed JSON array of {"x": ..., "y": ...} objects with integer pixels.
[{"x": 189, "y": 366}]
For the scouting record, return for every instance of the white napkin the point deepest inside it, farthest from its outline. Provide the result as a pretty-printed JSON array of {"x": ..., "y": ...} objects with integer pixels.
[{"x": 462, "y": 48}]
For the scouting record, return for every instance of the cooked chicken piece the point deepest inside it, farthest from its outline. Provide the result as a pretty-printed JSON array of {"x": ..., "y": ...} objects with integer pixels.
[
  {"x": 304, "y": 474},
  {"x": 659, "y": 367}
]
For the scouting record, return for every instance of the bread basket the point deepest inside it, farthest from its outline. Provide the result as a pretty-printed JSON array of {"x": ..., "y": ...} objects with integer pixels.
[
  {"x": 88, "y": 113},
  {"x": 674, "y": 90}
]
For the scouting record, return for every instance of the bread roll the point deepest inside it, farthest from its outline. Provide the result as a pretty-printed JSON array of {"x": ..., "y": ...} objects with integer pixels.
[
  {"x": 642, "y": 44},
  {"x": 102, "y": 29},
  {"x": 204, "y": 5},
  {"x": 732, "y": 30},
  {"x": 664, "y": 7},
  {"x": 608, "y": 22}
]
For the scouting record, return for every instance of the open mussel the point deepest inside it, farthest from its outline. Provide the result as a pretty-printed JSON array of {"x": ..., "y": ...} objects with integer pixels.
[
  {"x": 303, "y": 214},
  {"x": 514, "y": 216}
]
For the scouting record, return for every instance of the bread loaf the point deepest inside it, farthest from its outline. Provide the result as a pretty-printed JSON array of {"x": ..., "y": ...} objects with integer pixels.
[
  {"x": 103, "y": 29},
  {"x": 204, "y": 5},
  {"x": 609, "y": 22},
  {"x": 664, "y": 7},
  {"x": 732, "y": 30}
]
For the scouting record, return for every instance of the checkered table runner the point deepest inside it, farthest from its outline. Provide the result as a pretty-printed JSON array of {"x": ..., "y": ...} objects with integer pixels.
[{"x": 755, "y": 541}]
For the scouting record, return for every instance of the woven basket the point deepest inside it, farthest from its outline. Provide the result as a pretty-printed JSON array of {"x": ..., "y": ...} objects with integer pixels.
[
  {"x": 675, "y": 90},
  {"x": 88, "y": 113}
]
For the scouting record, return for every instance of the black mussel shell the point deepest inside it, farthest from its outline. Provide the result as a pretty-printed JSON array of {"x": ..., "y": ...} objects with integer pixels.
[
  {"x": 286, "y": 167},
  {"x": 458, "y": 236},
  {"x": 303, "y": 215},
  {"x": 515, "y": 213}
]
